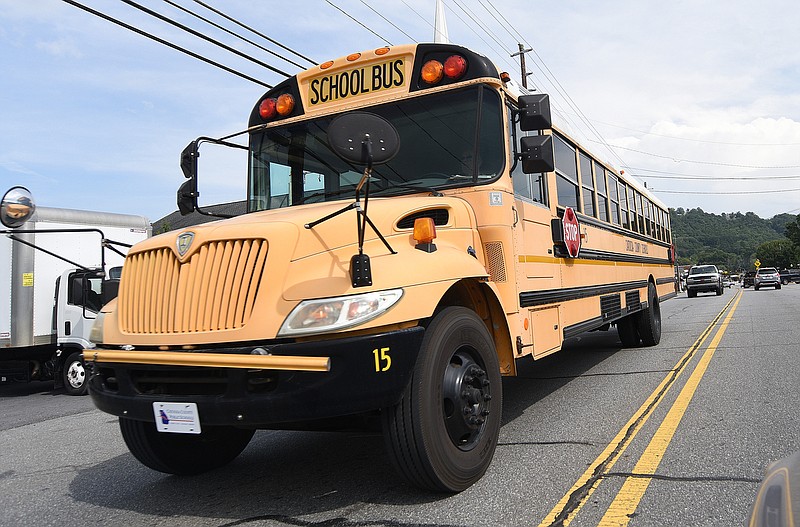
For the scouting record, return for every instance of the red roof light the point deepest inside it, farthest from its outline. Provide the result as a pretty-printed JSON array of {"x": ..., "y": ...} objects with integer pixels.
[
  {"x": 267, "y": 108},
  {"x": 455, "y": 66}
]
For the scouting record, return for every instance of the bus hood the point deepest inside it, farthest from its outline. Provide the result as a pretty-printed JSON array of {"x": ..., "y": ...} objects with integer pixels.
[{"x": 304, "y": 263}]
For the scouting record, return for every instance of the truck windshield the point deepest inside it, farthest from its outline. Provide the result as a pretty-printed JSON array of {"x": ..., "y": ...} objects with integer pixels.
[{"x": 446, "y": 140}]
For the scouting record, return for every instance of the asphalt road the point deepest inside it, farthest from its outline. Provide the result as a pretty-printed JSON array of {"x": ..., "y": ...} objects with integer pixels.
[{"x": 677, "y": 434}]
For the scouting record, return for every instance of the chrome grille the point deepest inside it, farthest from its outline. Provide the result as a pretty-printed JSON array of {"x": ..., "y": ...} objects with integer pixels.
[{"x": 214, "y": 290}]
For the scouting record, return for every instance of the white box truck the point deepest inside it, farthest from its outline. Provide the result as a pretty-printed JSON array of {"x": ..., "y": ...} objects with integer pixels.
[{"x": 56, "y": 270}]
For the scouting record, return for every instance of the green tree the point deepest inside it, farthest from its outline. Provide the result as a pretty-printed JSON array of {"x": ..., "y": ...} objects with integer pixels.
[
  {"x": 793, "y": 230},
  {"x": 778, "y": 253}
]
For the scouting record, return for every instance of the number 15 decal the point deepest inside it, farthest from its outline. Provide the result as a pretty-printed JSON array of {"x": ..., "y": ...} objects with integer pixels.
[{"x": 382, "y": 359}]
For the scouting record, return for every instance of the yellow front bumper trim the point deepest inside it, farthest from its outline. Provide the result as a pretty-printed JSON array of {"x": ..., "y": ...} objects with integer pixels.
[{"x": 210, "y": 360}]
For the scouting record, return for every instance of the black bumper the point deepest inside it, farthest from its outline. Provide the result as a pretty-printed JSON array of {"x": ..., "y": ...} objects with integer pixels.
[{"x": 366, "y": 373}]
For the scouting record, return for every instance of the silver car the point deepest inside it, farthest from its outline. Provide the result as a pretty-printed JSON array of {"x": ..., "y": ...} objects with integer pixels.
[{"x": 767, "y": 276}]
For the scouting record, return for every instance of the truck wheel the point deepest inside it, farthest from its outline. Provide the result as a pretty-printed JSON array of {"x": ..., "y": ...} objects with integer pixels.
[
  {"x": 442, "y": 434},
  {"x": 648, "y": 321},
  {"x": 720, "y": 290},
  {"x": 628, "y": 334},
  {"x": 183, "y": 454},
  {"x": 73, "y": 373},
  {"x": 691, "y": 294}
]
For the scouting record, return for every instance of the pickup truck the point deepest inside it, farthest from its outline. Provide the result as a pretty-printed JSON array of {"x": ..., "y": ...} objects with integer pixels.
[{"x": 790, "y": 275}]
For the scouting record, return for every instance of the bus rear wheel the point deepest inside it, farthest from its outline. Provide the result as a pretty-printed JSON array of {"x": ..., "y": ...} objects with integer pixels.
[
  {"x": 183, "y": 454},
  {"x": 442, "y": 434},
  {"x": 648, "y": 321}
]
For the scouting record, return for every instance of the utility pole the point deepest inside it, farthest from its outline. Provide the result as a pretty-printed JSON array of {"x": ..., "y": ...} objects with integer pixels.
[{"x": 523, "y": 70}]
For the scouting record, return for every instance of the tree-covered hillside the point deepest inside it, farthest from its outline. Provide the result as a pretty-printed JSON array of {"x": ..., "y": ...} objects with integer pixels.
[{"x": 732, "y": 240}]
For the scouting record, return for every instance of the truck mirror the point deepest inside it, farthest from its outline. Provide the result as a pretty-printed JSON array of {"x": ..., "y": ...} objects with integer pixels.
[
  {"x": 16, "y": 207},
  {"x": 534, "y": 112},
  {"x": 348, "y": 134},
  {"x": 537, "y": 154}
]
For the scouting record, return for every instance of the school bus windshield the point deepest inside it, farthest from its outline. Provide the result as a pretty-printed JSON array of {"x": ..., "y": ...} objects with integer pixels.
[{"x": 448, "y": 139}]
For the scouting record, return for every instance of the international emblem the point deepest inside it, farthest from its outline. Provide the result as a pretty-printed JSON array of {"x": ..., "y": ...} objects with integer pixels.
[{"x": 184, "y": 242}]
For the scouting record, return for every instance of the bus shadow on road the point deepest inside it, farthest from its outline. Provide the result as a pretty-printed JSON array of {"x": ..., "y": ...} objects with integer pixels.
[
  {"x": 536, "y": 380},
  {"x": 281, "y": 476},
  {"x": 285, "y": 475}
]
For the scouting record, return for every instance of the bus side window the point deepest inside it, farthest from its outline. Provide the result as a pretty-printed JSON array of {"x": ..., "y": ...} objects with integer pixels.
[
  {"x": 587, "y": 181},
  {"x": 566, "y": 174},
  {"x": 529, "y": 186}
]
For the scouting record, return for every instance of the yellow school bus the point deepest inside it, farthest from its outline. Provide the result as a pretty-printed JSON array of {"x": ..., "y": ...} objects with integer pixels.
[{"x": 415, "y": 226}]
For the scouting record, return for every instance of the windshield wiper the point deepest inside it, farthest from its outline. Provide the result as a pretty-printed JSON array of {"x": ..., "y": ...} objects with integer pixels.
[
  {"x": 417, "y": 188},
  {"x": 326, "y": 194}
]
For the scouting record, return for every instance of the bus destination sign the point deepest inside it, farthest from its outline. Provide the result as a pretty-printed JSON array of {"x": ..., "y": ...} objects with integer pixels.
[{"x": 356, "y": 82}]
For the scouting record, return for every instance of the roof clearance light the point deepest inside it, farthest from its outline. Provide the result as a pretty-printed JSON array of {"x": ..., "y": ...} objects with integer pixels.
[
  {"x": 382, "y": 51},
  {"x": 326, "y": 65},
  {"x": 455, "y": 66},
  {"x": 267, "y": 108},
  {"x": 285, "y": 104},
  {"x": 432, "y": 71},
  {"x": 353, "y": 56}
]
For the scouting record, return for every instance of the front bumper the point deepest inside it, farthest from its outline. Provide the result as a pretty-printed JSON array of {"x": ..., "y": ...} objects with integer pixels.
[
  {"x": 296, "y": 382},
  {"x": 767, "y": 283},
  {"x": 703, "y": 286}
]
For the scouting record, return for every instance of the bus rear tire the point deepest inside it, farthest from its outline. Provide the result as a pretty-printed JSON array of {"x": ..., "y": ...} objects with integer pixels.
[
  {"x": 648, "y": 321},
  {"x": 627, "y": 331},
  {"x": 442, "y": 434},
  {"x": 183, "y": 454}
]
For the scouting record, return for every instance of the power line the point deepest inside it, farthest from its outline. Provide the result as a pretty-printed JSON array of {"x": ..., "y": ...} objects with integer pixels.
[
  {"x": 723, "y": 192},
  {"x": 348, "y": 15},
  {"x": 716, "y": 178},
  {"x": 226, "y": 30},
  {"x": 692, "y": 140},
  {"x": 204, "y": 37},
  {"x": 717, "y": 163},
  {"x": 165, "y": 42},
  {"x": 389, "y": 21},
  {"x": 262, "y": 35}
]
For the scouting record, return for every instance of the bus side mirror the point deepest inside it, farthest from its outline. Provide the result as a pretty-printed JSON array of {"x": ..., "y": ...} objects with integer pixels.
[
  {"x": 187, "y": 193},
  {"x": 16, "y": 207},
  {"x": 187, "y": 197},
  {"x": 537, "y": 154},
  {"x": 534, "y": 112}
]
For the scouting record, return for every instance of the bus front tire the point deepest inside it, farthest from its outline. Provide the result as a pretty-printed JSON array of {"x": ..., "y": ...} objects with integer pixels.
[
  {"x": 442, "y": 434},
  {"x": 627, "y": 331},
  {"x": 183, "y": 454},
  {"x": 648, "y": 321}
]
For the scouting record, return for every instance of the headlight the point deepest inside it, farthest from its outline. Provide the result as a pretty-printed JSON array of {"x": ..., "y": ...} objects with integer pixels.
[
  {"x": 96, "y": 335},
  {"x": 329, "y": 314}
]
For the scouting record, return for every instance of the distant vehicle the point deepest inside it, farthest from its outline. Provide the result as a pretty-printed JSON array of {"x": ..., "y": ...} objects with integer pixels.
[
  {"x": 747, "y": 281},
  {"x": 767, "y": 276},
  {"x": 53, "y": 284},
  {"x": 703, "y": 278},
  {"x": 790, "y": 275}
]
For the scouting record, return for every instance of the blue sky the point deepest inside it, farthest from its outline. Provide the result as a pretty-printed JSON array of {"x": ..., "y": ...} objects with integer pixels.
[{"x": 94, "y": 116}]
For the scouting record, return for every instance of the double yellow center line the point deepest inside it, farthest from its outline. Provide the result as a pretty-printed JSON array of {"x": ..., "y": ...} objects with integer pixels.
[{"x": 628, "y": 498}]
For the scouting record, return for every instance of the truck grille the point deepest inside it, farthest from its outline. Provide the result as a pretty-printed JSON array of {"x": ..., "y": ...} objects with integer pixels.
[{"x": 214, "y": 290}]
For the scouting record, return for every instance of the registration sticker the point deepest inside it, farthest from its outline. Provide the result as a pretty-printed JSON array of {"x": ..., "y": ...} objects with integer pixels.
[{"x": 177, "y": 418}]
